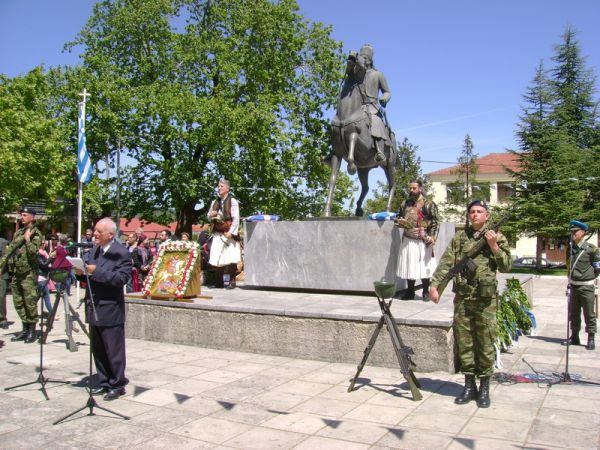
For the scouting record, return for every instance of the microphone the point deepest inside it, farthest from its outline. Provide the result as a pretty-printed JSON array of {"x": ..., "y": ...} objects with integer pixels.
[{"x": 80, "y": 245}]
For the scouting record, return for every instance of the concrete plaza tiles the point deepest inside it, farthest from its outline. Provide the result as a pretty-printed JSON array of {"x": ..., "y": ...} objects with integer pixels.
[{"x": 203, "y": 398}]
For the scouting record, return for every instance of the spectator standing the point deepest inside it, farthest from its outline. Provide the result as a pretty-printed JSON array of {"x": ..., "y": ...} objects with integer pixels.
[
  {"x": 3, "y": 286},
  {"x": 142, "y": 258},
  {"x": 61, "y": 263},
  {"x": 164, "y": 236}
]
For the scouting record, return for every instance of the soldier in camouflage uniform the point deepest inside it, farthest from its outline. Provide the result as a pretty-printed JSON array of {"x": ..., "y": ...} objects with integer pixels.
[
  {"x": 585, "y": 267},
  {"x": 476, "y": 301},
  {"x": 21, "y": 258}
]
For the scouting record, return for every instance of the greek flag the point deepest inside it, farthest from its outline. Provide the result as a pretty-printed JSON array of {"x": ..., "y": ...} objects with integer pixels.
[{"x": 84, "y": 165}]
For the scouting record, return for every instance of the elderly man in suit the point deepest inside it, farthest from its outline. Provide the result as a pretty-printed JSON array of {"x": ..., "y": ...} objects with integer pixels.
[{"x": 109, "y": 268}]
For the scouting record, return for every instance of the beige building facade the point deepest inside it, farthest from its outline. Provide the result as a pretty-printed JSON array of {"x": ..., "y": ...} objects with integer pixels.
[{"x": 492, "y": 171}]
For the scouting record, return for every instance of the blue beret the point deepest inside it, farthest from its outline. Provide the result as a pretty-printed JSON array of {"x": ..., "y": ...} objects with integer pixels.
[
  {"x": 28, "y": 210},
  {"x": 577, "y": 225}
]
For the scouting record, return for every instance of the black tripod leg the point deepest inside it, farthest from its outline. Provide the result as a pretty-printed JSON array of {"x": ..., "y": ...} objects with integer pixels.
[{"x": 367, "y": 351}]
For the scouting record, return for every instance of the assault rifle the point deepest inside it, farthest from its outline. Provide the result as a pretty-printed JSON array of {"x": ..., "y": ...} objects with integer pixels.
[
  {"x": 385, "y": 290},
  {"x": 466, "y": 264}
]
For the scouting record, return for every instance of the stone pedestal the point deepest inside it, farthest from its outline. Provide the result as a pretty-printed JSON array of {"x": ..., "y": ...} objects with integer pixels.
[{"x": 336, "y": 255}]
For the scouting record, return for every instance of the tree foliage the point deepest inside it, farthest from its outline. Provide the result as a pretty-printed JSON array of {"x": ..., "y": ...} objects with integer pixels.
[
  {"x": 558, "y": 136},
  {"x": 466, "y": 187},
  {"x": 193, "y": 91},
  {"x": 408, "y": 166},
  {"x": 37, "y": 158}
]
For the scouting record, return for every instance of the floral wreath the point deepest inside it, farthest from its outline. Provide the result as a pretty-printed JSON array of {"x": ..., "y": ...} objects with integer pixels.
[{"x": 193, "y": 250}]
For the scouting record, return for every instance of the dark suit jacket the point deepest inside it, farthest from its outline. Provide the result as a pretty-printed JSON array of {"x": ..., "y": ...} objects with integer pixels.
[{"x": 113, "y": 270}]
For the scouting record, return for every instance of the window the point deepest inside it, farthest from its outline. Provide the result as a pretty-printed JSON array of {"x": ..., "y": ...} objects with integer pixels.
[{"x": 505, "y": 191}]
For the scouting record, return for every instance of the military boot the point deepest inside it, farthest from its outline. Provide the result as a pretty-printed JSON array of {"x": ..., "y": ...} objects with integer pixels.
[
  {"x": 30, "y": 334},
  {"x": 22, "y": 335},
  {"x": 469, "y": 392},
  {"x": 483, "y": 399},
  {"x": 573, "y": 340},
  {"x": 591, "y": 345}
]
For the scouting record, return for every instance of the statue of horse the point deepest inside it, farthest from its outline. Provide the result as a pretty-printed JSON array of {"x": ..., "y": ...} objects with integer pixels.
[{"x": 352, "y": 140}]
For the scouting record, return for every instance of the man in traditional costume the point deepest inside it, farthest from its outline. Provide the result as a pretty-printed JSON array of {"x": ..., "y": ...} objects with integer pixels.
[
  {"x": 225, "y": 251},
  {"x": 419, "y": 218}
]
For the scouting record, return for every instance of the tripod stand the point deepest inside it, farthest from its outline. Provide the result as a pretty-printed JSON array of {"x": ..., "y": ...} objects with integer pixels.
[
  {"x": 385, "y": 290},
  {"x": 70, "y": 316},
  {"x": 41, "y": 379},
  {"x": 91, "y": 402}
]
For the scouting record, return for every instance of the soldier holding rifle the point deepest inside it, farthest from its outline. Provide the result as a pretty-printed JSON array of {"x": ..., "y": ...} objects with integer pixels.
[
  {"x": 21, "y": 257},
  {"x": 476, "y": 300}
]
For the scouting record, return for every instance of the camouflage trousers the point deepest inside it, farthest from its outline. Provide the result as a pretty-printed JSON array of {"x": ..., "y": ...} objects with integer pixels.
[
  {"x": 582, "y": 299},
  {"x": 25, "y": 296},
  {"x": 475, "y": 334}
]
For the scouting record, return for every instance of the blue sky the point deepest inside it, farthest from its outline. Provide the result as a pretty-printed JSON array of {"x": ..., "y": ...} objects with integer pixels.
[{"x": 454, "y": 66}]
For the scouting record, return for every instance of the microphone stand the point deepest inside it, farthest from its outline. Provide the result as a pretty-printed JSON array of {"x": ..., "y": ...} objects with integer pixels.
[
  {"x": 41, "y": 379},
  {"x": 91, "y": 401}
]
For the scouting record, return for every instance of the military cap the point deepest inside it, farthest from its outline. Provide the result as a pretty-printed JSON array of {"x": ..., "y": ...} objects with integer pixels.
[
  {"x": 575, "y": 225},
  {"x": 28, "y": 210},
  {"x": 478, "y": 202}
]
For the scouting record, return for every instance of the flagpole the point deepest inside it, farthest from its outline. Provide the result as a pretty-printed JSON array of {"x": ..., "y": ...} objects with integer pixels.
[{"x": 83, "y": 169}]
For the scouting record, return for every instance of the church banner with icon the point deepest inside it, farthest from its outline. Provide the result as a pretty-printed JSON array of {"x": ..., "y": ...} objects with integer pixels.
[{"x": 175, "y": 273}]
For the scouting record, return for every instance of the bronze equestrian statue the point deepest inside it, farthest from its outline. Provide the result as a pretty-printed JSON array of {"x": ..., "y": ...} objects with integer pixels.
[{"x": 360, "y": 132}]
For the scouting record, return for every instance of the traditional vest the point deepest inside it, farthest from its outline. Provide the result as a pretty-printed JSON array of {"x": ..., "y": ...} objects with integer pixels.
[
  {"x": 222, "y": 222},
  {"x": 415, "y": 218}
]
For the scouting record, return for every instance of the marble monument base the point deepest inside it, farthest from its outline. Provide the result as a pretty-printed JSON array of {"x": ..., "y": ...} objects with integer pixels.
[{"x": 326, "y": 254}]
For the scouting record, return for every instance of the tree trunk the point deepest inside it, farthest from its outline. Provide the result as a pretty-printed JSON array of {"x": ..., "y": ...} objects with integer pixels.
[{"x": 187, "y": 217}]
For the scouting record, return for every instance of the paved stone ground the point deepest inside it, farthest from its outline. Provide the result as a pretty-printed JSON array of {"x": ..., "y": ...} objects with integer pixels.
[{"x": 188, "y": 397}]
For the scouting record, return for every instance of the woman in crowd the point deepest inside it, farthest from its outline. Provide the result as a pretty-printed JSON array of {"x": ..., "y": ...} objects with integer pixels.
[{"x": 142, "y": 258}]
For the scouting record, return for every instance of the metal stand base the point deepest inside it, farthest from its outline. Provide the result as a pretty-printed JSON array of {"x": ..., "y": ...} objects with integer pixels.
[
  {"x": 91, "y": 403},
  {"x": 41, "y": 379}
]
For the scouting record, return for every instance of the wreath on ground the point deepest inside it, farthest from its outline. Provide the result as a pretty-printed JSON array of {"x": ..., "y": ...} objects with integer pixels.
[{"x": 514, "y": 316}]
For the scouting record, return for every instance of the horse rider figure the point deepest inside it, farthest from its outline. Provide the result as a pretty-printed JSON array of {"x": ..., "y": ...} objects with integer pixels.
[
  {"x": 373, "y": 105},
  {"x": 370, "y": 82}
]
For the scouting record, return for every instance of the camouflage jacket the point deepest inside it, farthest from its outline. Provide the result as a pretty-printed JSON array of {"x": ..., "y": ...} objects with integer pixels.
[
  {"x": 24, "y": 258},
  {"x": 587, "y": 266},
  {"x": 482, "y": 281}
]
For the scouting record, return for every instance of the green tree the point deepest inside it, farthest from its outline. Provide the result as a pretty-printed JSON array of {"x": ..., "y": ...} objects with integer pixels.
[
  {"x": 574, "y": 109},
  {"x": 408, "y": 168},
  {"x": 197, "y": 90},
  {"x": 37, "y": 157},
  {"x": 466, "y": 187},
  {"x": 557, "y": 134}
]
